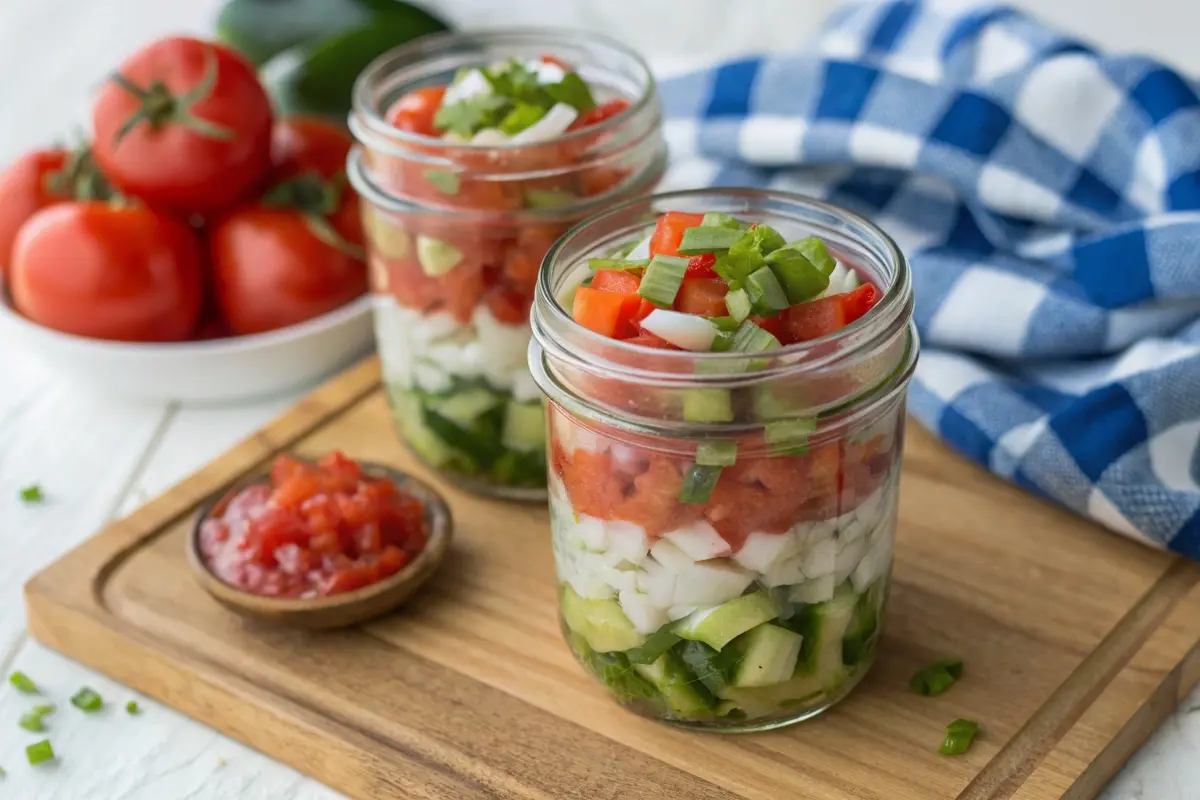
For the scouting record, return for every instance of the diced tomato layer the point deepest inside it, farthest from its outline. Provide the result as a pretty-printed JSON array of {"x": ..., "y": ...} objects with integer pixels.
[
  {"x": 702, "y": 296},
  {"x": 615, "y": 280},
  {"x": 414, "y": 112},
  {"x": 607, "y": 313},
  {"x": 812, "y": 320},
  {"x": 858, "y": 302},
  {"x": 668, "y": 232},
  {"x": 313, "y": 529},
  {"x": 647, "y": 339},
  {"x": 766, "y": 493}
]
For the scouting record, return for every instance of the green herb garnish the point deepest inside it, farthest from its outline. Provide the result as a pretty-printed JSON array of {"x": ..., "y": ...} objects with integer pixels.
[
  {"x": 39, "y": 752},
  {"x": 472, "y": 114},
  {"x": 22, "y": 683},
  {"x": 32, "y": 494},
  {"x": 801, "y": 279},
  {"x": 959, "y": 736},
  {"x": 572, "y": 90},
  {"x": 936, "y": 678},
  {"x": 521, "y": 117},
  {"x": 31, "y": 720},
  {"x": 516, "y": 102},
  {"x": 87, "y": 700}
]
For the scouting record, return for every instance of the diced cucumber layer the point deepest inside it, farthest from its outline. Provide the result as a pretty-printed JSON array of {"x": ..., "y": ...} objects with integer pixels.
[
  {"x": 525, "y": 427},
  {"x": 686, "y": 698},
  {"x": 718, "y": 626},
  {"x": 768, "y": 655},
  {"x": 463, "y": 408},
  {"x": 600, "y": 622},
  {"x": 436, "y": 257}
]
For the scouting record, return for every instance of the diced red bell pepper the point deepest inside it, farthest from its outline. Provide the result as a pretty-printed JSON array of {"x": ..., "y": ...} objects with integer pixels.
[
  {"x": 616, "y": 280},
  {"x": 772, "y": 325},
  {"x": 599, "y": 113},
  {"x": 858, "y": 302},
  {"x": 668, "y": 232},
  {"x": 701, "y": 266},
  {"x": 814, "y": 319},
  {"x": 702, "y": 296},
  {"x": 607, "y": 313}
]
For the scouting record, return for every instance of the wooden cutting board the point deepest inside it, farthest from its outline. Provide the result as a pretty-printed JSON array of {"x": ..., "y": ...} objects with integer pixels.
[{"x": 1076, "y": 642}]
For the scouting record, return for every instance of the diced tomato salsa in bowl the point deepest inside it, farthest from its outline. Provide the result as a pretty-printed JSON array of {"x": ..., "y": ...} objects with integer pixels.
[
  {"x": 726, "y": 419},
  {"x": 313, "y": 530},
  {"x": 477, "y": 153}
]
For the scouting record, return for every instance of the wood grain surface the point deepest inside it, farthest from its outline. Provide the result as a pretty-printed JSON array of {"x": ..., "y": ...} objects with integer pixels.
[{"x": 1076, "y": 645}]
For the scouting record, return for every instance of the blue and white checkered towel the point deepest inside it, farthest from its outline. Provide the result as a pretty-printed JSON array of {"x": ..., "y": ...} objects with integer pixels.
[{"x": 1048, "y": 197}]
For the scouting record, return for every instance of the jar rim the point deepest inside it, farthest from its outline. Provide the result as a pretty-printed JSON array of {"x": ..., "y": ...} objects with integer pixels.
[
  {"x": 890, "y": 318},
  {"x": 367, "y": 122}
]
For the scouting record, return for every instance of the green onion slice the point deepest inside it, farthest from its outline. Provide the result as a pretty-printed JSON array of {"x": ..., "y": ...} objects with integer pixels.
[
  {"x": 707, "y": 405},
  {"x": 22, "y": 682},
  {"x": 444, "y": 181},
  {"x": 716, "y": 453},
  {"x": 738, "y": 303},
  {"x": 662, "y": 280},
  {"x": 549, "y": 198},
  {"x": 959, "y": 736},
  {"x": 31, "y": 720},
  {"x": 750, "y": 338},
  {"x": 789, "y": 436},
  {"x": 715, "y": 219},
  {"x": 618, "y": 263},
  {"x": 39, "y": 752},
  {"x": 32, "y": 494},
  {"x": 132, "y": 707},
  {"x": 698, "y": 483},
  {"x": 707, "y": 239},
  {"x": 766, "y": 293},
  {"x": 87, "y": 700},
  {"x": 936, "y": 678},
  {"x": 816, "y": 252}
]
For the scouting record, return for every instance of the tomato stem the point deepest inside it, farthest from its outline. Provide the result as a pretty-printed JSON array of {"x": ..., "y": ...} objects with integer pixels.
[
  {"x": 159, "y": 107},
  {"x": 80, "y": 178},
  {"x": 317, "y": 199}
]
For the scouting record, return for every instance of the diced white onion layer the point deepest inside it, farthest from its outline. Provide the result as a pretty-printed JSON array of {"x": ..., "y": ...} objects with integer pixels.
[
  {"x": 762, "y": 551},
  {"x": 545, "y": 71},
  {"x": 710, "y": 583},
  {"x": 700, "y": 541},
  {"x": 670, "y": 556},
  {"x": 682, "y": 330},
  {"x": 554, "y": 123},
  {"x": 818, "y": 590},
  {"x": 473, "y": 83},
  {"x": 490, "y": 137}
]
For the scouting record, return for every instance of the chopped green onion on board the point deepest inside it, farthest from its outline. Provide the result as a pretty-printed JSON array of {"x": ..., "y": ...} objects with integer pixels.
[
  {"x": 959, "y": 736},
  {"x": 39, "y": 752},
  {"x": 32, "y": 494},
  {"x": 22, "y": 683},
  {"x": 87, "y": 700},
  {"x": 31, "y": 720},
  {"x": 936, "y": 678}
]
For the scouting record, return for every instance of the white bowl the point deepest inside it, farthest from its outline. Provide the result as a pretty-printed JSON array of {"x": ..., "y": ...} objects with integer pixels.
[{"x": 237, "y": 368}]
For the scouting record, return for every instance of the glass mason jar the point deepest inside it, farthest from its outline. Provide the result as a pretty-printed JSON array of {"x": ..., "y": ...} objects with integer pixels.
[
  {"x": 456, "y": 232},
  {"x": 760, "y": 605}
]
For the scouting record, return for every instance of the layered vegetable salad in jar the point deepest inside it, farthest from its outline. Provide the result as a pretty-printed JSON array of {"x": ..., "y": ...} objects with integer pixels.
[
  {"x": 726, "y": 373},
  {"x": 476, "y": 153}
]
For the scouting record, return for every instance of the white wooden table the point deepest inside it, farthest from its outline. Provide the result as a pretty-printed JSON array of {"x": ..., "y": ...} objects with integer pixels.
[{"x": 98, "y": 458}]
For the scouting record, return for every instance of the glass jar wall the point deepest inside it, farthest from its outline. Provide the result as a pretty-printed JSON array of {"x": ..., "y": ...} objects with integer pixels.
[
  {"x": 457, "y": 228},
  {"x": 723, "y": 522}
]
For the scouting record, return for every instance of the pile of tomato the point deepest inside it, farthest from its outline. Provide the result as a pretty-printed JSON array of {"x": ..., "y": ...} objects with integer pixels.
[
  {"x": 315, "y": 529},
  {"x": 191, "y": 213}
]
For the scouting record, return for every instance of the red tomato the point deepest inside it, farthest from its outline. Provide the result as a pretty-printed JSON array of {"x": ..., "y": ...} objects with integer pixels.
[
  {"x": 550, "y": 58},
  {"x": 129, "y": 274},
  {"x": 25, "y": 189},
  {"x": 615, "y": 280},
  {"x": 184, "y": 125},
  {"x": 814, "y": 319},
  {"x": 508, "y": 306},
  {"x": 858, "y": 302},
  {"x": 271, "y": 270},
  {"x": 308, "y": 143},
  {"x": 414, "y": 112},
  {"x": 598, "y": 114},
  {"x": 668, "y": 232},
  {"x": 702, "y": 296},
  {"x": 701, "y": 266}
]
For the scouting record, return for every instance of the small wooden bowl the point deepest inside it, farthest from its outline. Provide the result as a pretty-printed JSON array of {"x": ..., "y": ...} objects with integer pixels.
[{"x": 346, "y": 608}]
